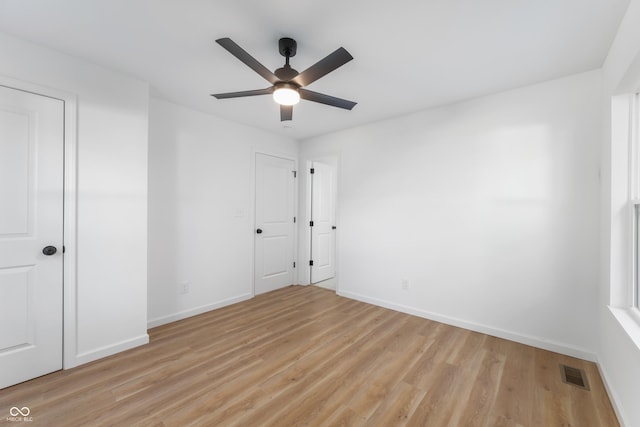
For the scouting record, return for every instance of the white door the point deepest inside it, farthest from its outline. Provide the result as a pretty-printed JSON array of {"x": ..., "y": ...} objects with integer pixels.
[
  {"x": 323, "y": 217},
  {"x": 274, "y": 230},
  {"x": 31, "y": 171}
]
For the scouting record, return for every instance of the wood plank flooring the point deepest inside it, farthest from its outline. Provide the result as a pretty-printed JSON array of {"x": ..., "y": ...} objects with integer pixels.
[{"x": 304, "y": 356}]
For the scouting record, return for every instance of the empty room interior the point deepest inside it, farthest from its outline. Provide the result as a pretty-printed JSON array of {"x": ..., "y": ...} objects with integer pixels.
[{"x": 286, "y": 213}]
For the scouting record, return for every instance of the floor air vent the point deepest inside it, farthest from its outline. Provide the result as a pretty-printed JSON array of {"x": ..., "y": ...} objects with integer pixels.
[{"x": 574, "y": 376}]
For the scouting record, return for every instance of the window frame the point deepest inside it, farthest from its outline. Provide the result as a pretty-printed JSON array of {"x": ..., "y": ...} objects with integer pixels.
[
  {"x": 634, "y": 200},
  {"x": 635, "y": 274}
]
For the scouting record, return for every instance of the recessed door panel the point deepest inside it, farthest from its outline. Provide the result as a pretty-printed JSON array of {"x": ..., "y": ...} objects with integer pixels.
[
  {"x": 274, "y": 263},
  {"x": 323, "y": 254},
  {"x": 275, "y": 198},
  {"x": 16, "y": 171},
  {"x": 16, "y": 292}
]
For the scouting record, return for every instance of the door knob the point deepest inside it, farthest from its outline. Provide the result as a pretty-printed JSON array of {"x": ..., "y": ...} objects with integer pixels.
[
  {"x": 49, "y": 250},
  {"x": 259, "y": 231}
]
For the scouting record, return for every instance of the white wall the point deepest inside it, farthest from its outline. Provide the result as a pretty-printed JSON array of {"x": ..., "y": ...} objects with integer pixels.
[
  {"x": 618, "y": 355},
  {"x": 201, "y": 209},
  {"x": 109, "y": 313},
  {"x": 489, "y": 208}
]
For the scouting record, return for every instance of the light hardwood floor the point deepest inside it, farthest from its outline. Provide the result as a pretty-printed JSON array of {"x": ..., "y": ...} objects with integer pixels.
[{"x": 304, "y": 356}]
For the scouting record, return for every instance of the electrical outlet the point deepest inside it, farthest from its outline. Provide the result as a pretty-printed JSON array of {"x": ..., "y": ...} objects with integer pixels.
[
  {"x": 405, "y": 285},
  {"x": 183, "y": 288}
]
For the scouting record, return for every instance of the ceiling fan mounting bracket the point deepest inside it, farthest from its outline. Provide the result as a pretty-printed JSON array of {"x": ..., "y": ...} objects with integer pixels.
[{"x": 288, "y": 47}]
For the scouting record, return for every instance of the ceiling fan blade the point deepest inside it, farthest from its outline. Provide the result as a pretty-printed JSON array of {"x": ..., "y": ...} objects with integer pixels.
[
  {"x": 323, "y": 67},
  {"x": 249, "y": 60},
  {"x": 286, "y": 112},
  {"x": 266, "y": 91},
  {"x": 326, "y": 99}
]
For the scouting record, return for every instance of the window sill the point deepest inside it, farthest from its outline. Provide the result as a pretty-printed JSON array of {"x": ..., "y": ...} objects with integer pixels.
[{"x": 629, "y": 319}]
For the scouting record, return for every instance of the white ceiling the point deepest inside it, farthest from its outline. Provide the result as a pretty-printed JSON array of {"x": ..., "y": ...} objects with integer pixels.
[{"x": 409, "y": 54}]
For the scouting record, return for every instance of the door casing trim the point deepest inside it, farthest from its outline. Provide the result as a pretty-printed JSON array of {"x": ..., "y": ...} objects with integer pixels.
[{"x": 69, "y": 259}]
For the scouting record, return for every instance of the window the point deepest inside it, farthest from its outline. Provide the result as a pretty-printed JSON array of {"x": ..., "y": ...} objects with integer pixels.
[{"x": 624, "y": 204}]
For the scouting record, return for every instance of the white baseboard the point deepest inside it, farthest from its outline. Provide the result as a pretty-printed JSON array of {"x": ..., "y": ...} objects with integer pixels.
[
  {"x": 99, "y": 353},
  {"x": 163, "y": 320},
  {"x": 500, "y": 333},
  {"x": 613, "y": 397}
]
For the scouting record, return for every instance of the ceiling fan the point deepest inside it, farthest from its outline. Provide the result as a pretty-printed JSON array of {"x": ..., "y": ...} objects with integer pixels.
[{"x": 287, "y": 84}]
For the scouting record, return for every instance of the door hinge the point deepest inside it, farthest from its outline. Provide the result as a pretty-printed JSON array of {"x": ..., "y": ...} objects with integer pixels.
[
  {"x": 313, "y": 170},
  {"x": 311, "y": 262},
  {"x": 295, "y": 174},
  {"x": 310, "y": 223}
]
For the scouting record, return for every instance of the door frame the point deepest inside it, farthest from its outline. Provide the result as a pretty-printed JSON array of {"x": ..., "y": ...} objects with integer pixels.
[
  {"x": 252, "y": 219},
  {"x": 69, "y": 229}
]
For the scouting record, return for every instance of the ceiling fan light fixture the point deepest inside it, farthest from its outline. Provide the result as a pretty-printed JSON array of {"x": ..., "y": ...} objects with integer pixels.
[{"x": 286, "y": 94}]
